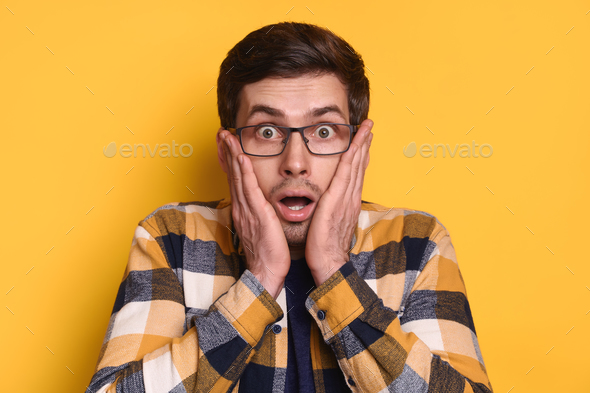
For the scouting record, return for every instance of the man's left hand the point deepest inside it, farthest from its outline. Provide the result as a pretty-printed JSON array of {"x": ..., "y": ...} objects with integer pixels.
[{"x": 337, "y": 212}]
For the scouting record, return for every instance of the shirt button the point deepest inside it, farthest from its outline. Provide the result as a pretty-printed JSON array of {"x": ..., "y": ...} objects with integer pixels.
[
  {"x": 351, "y": 382},
  {"x": 277, "y": 329},
  {"x": 321, "y": 315}
]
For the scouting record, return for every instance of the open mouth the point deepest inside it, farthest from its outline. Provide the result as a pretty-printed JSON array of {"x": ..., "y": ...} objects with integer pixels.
[{"x": 296, "y": 203}]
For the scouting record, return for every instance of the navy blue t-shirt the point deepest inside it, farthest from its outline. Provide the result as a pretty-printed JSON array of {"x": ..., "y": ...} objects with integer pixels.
[{"x": 299, "y": 371}]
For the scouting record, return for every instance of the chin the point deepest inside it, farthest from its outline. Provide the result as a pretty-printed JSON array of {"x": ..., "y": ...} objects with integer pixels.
[
  {"x": 296, "y": 245},
  {"x": 296, "y": 232}
]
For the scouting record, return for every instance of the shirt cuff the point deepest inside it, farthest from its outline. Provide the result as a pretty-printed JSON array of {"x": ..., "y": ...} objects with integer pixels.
[
  {"x": 339, "y": 300},
  {"x": 249, "y": 308}
]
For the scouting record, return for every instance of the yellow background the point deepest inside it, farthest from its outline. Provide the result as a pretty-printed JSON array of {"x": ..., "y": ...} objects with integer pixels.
[{"x": 517, "y": 219}]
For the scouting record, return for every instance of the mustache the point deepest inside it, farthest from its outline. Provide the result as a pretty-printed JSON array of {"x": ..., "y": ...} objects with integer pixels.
[{"x": 301, "y": 184}]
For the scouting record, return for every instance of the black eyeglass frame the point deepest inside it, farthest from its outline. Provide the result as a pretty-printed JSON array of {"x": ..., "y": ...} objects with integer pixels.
[{"x": 238, "y": 131}]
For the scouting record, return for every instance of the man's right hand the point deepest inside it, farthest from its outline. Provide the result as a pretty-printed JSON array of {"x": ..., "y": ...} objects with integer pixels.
[{"x": 255, "y": 220}]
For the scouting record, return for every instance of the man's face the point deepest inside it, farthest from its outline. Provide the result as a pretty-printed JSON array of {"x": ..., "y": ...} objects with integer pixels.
[{"x": 292, "y": 102}]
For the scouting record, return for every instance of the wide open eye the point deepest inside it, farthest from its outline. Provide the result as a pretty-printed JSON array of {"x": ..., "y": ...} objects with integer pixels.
[
  {"x": 325, "y": 131},
  {"x": 268, "y": 132}
]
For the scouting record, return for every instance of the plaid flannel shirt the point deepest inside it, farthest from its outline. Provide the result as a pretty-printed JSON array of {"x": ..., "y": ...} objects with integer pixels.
[{"x": 189, "y": 316}]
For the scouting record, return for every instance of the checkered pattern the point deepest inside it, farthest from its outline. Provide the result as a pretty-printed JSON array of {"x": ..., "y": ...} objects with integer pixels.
[{"x": 189, "y": 316}]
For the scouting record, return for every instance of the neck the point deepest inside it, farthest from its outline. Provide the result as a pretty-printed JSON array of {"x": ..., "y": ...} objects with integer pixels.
[{"x": 297, "y": 252}]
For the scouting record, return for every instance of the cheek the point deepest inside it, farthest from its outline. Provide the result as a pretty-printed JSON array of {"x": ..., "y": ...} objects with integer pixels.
[
  {"x": 324, "y": 171},
  {"x": 263, "y": 176}
]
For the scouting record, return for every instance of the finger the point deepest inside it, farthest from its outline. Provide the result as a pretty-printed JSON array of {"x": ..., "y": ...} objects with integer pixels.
[
  {"x": 230, "y": 178},
  {"x": 236, "y": 149},
  {"x": 360, "y": 170},
  {"x": 358, "y": 161},
  {"x": 251, "y": 189},
  {"x": 341, "y": 179},
  {"x": 358, "y": 190}
]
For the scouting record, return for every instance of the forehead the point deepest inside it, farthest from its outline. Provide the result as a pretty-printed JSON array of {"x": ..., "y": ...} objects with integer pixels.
[{"x": 295, "y": 97}]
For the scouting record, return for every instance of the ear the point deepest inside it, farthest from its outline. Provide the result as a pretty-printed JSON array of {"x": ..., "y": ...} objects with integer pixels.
[{"x": 220, "y": 152}]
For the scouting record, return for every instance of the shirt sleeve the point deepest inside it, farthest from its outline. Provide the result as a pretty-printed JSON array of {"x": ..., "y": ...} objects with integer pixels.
[
  {"x": 145, "y": 350},
  {"x": 433, "y": 348}
]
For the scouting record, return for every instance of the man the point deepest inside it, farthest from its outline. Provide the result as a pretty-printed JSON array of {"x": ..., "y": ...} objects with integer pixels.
[{"x": 293, "y": 284}]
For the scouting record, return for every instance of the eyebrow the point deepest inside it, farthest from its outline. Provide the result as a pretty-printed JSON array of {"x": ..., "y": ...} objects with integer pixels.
[{"x": 315, "y": 112}]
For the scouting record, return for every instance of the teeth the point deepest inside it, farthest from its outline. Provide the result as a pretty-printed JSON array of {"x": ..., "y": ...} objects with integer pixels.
[{"x": 296, "y": 207}]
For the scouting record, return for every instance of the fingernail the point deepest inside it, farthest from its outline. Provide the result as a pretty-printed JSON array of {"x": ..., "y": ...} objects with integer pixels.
[{"x": 241, "y": 159}]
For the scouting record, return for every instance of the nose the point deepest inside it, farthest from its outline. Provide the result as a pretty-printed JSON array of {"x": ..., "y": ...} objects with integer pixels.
[{"x": 295, "y": 158}]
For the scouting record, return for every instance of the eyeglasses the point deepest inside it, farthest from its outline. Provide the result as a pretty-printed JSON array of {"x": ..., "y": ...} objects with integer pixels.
[{"x": 267, "y": 140}]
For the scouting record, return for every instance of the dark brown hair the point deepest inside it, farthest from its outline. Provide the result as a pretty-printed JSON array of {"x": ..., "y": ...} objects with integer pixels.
[{"x": 287, "y": 50}]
